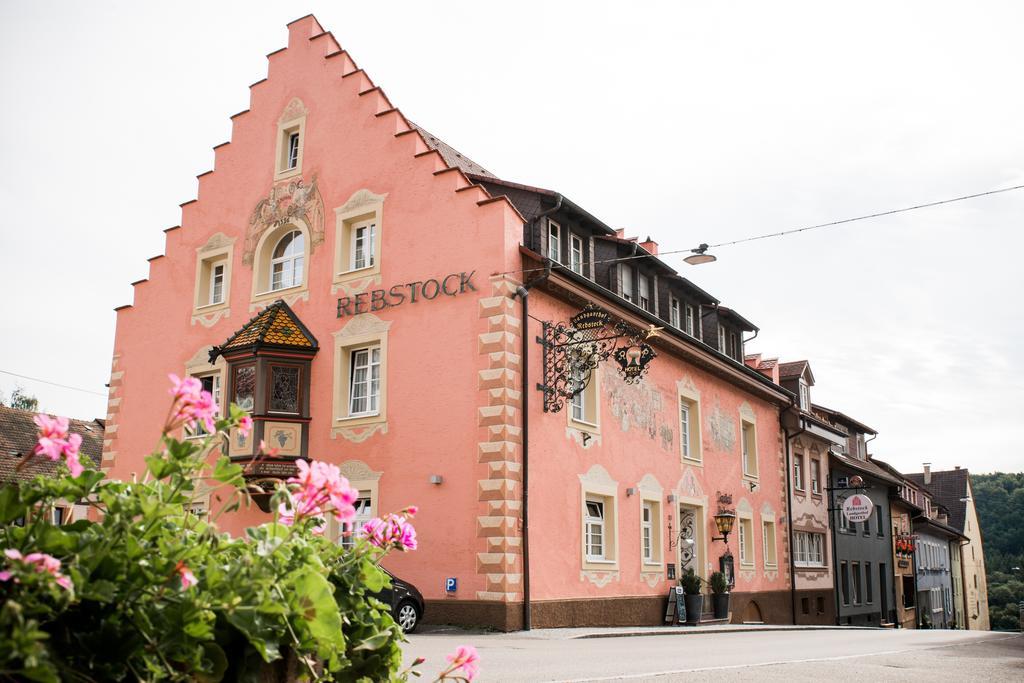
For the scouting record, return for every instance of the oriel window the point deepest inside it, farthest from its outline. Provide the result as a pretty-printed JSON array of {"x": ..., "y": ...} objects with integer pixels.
[
  {"x": 285, "y": 382},
  {"x": 245, "y": 387}
]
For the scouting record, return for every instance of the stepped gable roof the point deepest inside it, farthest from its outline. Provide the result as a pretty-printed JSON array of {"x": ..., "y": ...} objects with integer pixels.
[
  {"x": 18, "y": 435},
  {"x": 276, "y": 326},
  {"x": 452, "y": 156},
  {"x": 949, "y": 488}
]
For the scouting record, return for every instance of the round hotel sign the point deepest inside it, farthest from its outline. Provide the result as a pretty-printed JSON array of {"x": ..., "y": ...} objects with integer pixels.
[{"x": 857, "y": 508}]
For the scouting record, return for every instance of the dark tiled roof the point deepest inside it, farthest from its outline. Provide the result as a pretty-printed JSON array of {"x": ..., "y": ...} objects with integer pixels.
[
  {"x": 18, "y": 436},
  {"x": 867, "y": 467},
  {"x": 793, "y": 369},
  {"x": 835, "y": 415},
  {"x": 948, "y": 488},
  {"x": 452, "y": 156},
  {"x": 275, "y": 325}
]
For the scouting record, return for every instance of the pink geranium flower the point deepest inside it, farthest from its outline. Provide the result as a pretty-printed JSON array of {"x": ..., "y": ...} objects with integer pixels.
[
  {"x": 55, "y": 442},
  {"x": 465, "y": 658},
  {"x": 39, "y": 562},
  {"x": 391, "y": 531},
  {"x": 319, "y": 490},
  {"x": 245, "y": 426},
  {"x": 192, "y": 406},
  {"x": 188, "y": 579}
]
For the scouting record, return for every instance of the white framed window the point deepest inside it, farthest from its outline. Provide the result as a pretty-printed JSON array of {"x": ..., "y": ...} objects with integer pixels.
[
  {"x": 809, "y": 549},
  {"x": 645, "y": 292},
  {"x": 721, "y": 338},
  {"x": 286, "y": 262},
  {"x": 575, "y": 254},
  {"x": 674, "y": 317},
  {"x": 595, "y": 532},
  {"x": 748, "y": 439},
  {"x": 768, "y": 538},
  {"x": 626, "y": 274},
  {"x": 647, "y": 531},
  {"x": 815, "y": 475},
  {"x": 584, "y": 405},
  {"x": 798, "y": 471},
  {"x": 364, "y": 245},
  {"x": 350, "y": 530},
  {"x": 364, "y": 382},
  {"x": 805, "y": 396},
  {"x": 691, "y": 321},
  {"x": 746, "y": 531},
  {"x": 554, "y": 241},
  {"x": 217, "y": 283},
  {"x": 293, "y": 151}
]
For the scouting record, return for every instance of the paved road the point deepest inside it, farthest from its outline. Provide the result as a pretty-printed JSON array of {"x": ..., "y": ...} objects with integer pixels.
[{"x": 873, "y": 655}]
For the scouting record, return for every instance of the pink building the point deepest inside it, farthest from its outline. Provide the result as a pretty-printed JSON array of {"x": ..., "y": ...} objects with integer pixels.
[{"x": 400, "y": 351}]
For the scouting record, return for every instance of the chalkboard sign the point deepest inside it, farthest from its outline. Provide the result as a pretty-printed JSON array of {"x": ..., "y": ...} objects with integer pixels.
[{"x": 675, "y": 611}]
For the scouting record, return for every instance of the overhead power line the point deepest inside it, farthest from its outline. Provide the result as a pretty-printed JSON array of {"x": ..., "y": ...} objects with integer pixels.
[
  {"x": 55, "y": 384},
  {"x": 792, "y": 231}
]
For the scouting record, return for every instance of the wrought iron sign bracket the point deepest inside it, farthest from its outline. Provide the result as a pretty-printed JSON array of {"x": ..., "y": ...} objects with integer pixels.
[{"x": 572, "y": 351}]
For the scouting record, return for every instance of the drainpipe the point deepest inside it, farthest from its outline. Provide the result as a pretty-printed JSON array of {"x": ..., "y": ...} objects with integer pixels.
[
  {"x": 523, "y": 292},
  {"x": 836, "y": 579},
  {"x": 789, "y": 507}
]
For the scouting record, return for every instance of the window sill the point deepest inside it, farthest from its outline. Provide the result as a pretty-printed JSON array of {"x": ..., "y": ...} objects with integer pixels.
[
  {"x": 274, "y": 294},
  {"x": 652, "y": 563},
  {"x": 356, "y": 274},
  {"x": 699, "y": 462},
  {"x": 288, "y": 173},
  {"x": 584, "y": 426},
  {"x": 360, "y": 420},
  {"x": 209, "y": 308}
]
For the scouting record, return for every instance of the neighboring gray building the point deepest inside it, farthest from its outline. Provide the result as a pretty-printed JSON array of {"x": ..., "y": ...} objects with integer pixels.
[{"x": 935, "y": 607}]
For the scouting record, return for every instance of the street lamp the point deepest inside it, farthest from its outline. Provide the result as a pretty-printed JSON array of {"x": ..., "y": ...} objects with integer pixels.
[
  {"x": 724, "y": 521},
  {"x": 700, "y": 256}
]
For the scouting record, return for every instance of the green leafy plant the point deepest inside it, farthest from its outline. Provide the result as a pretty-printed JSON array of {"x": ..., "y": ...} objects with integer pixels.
[
  {"x": 148, "y": 589},
  {"x": 690, "y": 582},
  {"x": 719, "y": 584}
]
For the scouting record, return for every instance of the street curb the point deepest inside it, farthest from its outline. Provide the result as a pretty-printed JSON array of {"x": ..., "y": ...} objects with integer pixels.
[{"x": 699, "y": 631}]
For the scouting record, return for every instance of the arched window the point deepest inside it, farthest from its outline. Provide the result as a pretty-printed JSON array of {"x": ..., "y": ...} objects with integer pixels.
[{"x": 286, "y": 261}]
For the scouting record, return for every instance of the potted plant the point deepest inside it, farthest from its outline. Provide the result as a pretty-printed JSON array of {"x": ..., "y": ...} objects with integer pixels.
[
  {"x": 693, "y": 597},
  {"x": 720, "y": 595}
]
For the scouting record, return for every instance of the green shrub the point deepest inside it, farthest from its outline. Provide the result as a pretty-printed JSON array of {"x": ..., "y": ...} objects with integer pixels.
[
  {"x": 719, "y": 584},
  {"x": 690, "y": 582}
]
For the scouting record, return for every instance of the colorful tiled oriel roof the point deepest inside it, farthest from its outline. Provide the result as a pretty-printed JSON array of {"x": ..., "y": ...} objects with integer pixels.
[{"x": 276, "y": 325}]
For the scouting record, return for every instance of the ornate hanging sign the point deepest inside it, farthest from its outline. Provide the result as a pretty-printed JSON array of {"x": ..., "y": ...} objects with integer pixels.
[
  {"x": 573, "y": 350},
  {"x": 857, "y": 508}
]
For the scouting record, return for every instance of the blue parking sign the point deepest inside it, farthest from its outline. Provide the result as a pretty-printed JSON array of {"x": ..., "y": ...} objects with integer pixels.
[{"x": 450, "y": 584}]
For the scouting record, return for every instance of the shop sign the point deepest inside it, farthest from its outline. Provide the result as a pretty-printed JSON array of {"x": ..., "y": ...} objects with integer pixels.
[
  {"x": 857, "y": 508},
  {"x": 410, "y": 292}
]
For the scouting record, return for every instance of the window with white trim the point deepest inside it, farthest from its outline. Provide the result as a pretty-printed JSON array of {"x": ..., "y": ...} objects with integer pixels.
[
  {"x": 575, "y": 254},
  {"x": 217, "y": 284},
  {"x": 691, "y": 321},
  {"x": 647, "y": 531},
  {"x": 292, "y": 160},
  {"x": 211, "y": 383},
  {"x": 798, "y": 471},
  {"x": 364, "y": 245},
  {"x": 808, "y": 549},
  {"x": 350, "y": 530},
  {"x": 213, "y": 279},
  {"x": 748, "y": 439},
  {"x": 674, "y": 317},
  {"x": 645, "y": 293},
  {"x": 689, "y": 429},
  {"x": 805, "y": 396},
  {"x": 721, "y": 338},
  {"x": 815, "y": 475},
  {"x": 286, "y": 261},
  {"x": 595, "y": 532},
  {"x": 768, "y": 538},
  {"x": 626, "y": 276},
  {"x": 746, "y": 530},
  {"x": 554, "y": 241},
  {"x": 583, "y": 406},
  {"x": 364, "y": 381}
]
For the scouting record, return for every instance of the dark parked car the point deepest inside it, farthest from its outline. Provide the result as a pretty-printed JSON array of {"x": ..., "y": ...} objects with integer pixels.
[{"x": 405, "y": 600}]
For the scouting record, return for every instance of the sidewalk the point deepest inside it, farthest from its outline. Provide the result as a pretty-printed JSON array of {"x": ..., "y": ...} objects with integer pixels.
[{"x": 631, "y": 631}]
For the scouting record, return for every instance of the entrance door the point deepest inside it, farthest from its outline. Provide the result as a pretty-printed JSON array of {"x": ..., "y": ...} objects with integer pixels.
[{"x": 689, "y": 551}]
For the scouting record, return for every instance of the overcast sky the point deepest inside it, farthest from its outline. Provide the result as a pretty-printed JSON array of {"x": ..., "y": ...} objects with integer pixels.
[{"x": 686, "y": 121}]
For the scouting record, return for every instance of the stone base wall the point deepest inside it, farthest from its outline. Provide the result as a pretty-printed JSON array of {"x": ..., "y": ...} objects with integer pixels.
[
  {"x": 648, "y": 610},
  {"x": 816, "y": 607}
]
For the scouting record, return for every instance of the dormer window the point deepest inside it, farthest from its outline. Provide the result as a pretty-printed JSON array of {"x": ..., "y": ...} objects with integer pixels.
[
  {"x": 691, "y": 321},
  {"x": 721, "y": 338},
  {"x": 575, "y": 254},
  {"x": 673, "y": 313},
  {"x": 626, "y": 274},
  {"x": 645, "y": 292},
  {"x": 733, "y": 345},
  {"x": 805, "y": 396},
  {"x": 554, "y": 241}
]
